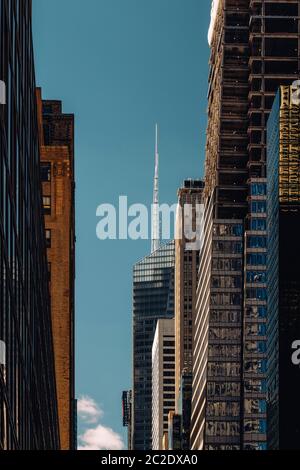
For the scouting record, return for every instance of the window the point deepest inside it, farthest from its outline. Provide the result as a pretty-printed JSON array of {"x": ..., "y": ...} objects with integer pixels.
[
  {"x": 256, "y": 294},
  {"x": 256, "y": 366},
  {"x": 217, "y": 428},
  {"x": 255, "y": 406},
  {"x": 224, "y": 350},
  {"x": 225, "y": 316},
  {"x": 228, "y": 389},
  {"x": 256, "y": 242},
  {"x": 226, "y": 281},
  {"x": 256, "y": 259},
  {"x": 226, "y": 299},
  {"x": 257, "y": 311},
  {"x": 258, "y": 225},
  {"x": 255, "y": 346},
  {"x": 256, "y": 446},
  {"x": 256, "y": 329},
  {"x": 223, "y": 408},
  {"x": 228, "y": 247},
  {"x": 258, "y": 189},
  {"x": 255, "y": 385},
  {"x": 45, "y": 170},
  {"x": 48, "y": 238},
  {"x": 47, "y": 205},
  {"x": 169, "y": 396},
  {"x": 228, "y": 229},
  {"x": 227, "y": 264},
  {"x": 223, "y": 369},
  {"x": 224, "y": 333},
  {"x": 259, "y": 206},
  {"x": 255, "y": 426},
  {"x": 256, "y": 277}
]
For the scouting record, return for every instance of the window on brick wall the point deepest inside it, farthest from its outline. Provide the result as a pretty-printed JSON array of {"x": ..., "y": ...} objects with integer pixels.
[
  {"x": 47, "y": 205},
  {"x": 48, "y": 238},
  {"x": 45, "y": 171}
]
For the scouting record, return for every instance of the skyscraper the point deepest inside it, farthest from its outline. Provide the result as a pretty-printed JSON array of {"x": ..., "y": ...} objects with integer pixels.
[
  {"x": 163, "y": 379},
  {"x": 283, "y": 161},
  {"x": 187, "y": 251},
  {"x": 153, "y": 298},
  {"x": 254, "y": 50},
  {"x": 186, "y": 276},
  {"x": 28, "y": 401},
  {"x": 57, "y": 174}
]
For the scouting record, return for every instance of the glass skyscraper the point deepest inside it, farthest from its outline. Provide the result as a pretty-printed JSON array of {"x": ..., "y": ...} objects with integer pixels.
[
  {"x": 153, "y": 298},
  {"x": 28, "y": 404}
]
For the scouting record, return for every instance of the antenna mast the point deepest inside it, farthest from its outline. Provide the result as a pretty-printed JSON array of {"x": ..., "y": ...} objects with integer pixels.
[{"x": 155, "y": 207}]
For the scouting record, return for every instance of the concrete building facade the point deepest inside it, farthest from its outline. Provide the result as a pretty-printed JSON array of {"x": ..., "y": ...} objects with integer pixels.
[{"x": 163, "y": 379}]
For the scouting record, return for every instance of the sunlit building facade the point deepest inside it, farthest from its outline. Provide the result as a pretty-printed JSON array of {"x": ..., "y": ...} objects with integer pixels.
[
  {"x": 187, "y": 251},
  {"x": 163, "y": 375}
]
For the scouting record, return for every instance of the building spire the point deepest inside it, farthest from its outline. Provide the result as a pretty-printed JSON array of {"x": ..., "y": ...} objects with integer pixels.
[{"x": 155, "y": 243}]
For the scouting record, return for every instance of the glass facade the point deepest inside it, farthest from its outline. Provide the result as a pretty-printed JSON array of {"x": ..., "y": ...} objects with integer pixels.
[
  {"x": 255, "y": 325},
  {"x": 153, "y": 298},
  {"x": 217, "y": 381},
  {"x": 28, "y": 405}
]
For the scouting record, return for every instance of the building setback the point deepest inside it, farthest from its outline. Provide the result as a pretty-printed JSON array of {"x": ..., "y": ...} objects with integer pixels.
[
  {"x": 284, "y": 269},
  {"x": 163, "y": 379},
  {"x": 57, "y": 174},
  {"x": 153, "y": 298},
  {"x": 254, "y": 50},
  {"x": 28, "y": 402}
]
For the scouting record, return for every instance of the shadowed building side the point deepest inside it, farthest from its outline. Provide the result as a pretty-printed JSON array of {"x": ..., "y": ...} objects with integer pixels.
[
  {"x": 28, "y": 399},
  {"x": 283, "y": 199}
]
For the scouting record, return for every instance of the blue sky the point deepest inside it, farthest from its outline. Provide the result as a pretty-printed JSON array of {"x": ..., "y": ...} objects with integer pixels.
[{"x": 120, "y": 66}]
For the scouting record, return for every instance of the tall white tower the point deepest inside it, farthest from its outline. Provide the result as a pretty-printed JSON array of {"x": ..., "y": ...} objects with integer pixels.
[{"x": 155, "y": 243}]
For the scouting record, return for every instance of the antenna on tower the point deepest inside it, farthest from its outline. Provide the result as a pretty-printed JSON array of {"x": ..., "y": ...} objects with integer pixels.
[{"x": 155, "y": 243}]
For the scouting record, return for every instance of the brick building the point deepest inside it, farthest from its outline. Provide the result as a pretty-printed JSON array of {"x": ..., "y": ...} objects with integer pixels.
[{"x": 56, "y": 131}]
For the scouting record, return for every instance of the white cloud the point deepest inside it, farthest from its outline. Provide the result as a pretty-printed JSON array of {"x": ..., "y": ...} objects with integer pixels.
[
  {"x": 100, "y": 438},
  {"x": 88, "y": 410}
]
